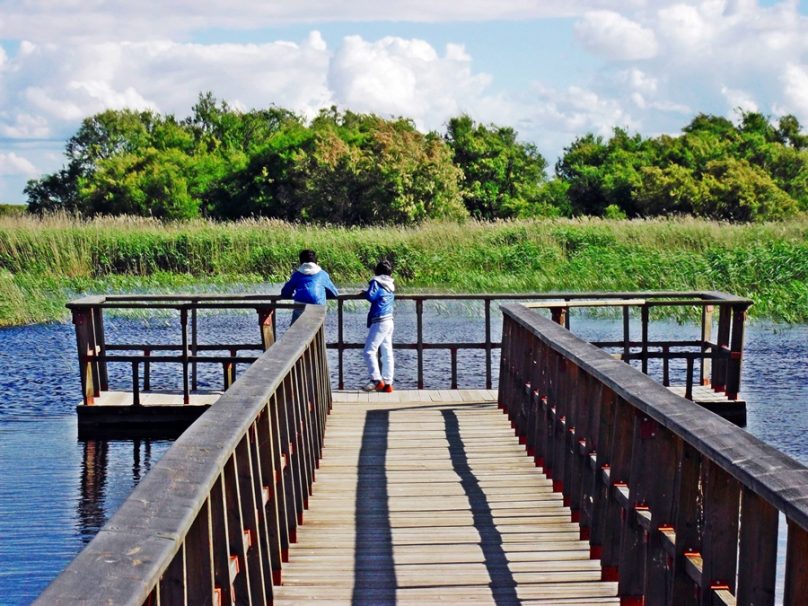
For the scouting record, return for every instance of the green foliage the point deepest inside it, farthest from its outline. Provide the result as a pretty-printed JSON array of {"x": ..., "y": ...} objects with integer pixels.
[
  {"x": 502, "y": 177},
  {"x": 346, "y": 168},
  {"x": 44, "y": 262},
  {"x": 753, "y": 171},
  {"x": 11, "y": 210}
]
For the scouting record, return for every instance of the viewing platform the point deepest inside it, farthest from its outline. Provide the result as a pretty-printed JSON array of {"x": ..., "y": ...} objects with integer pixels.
[
  {"x": 580, "y": 479},
  {"x": 708, "y": 370}
]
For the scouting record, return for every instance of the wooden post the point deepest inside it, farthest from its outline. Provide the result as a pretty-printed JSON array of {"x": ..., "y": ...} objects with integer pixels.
[
  {"x": 796, "y": 588},
  {"x": 689, "y": 379},
  {"x": 235, "y": 533},
  {"x": 419, "y": 318},
  {"x": 340, "y": 344},
  {"x": 278, "y": 478},
  {"x": 262, "y": 499},
  {"x": 453, "y": 353},
  {"x": 251, "y": 520},
  {"x": 265, "y": 453},
  {"x": 229, "y": 371},
  {"x": 736, "y": 352},
  {"x": 706, "y": 335},
  {"x": 720, "y": 541},
  {"x": 757, "y": 560},
  {"x": 135, "y": 385},
  {"x": 199, "y": 559},
  {"x": 194, "y": 337},
  {"x": 266, "y": 324},
  {"x": 633, "y": 539},
  {"x": 687, "y": 525},
  {"x": 559, "y": 315},
  {"x": 626, "y": 333},
  {"x": 221, "y": 543},
  {"x": 98, "y": 331},
  {"x": 186, "y": 393},
  {"x": 146, "y": 369},
  {"x": 82, "y": 318},
  {"x": 719, "y": 380},
  {"x": 488, "y": 378},
  {"x": 171, "y": 588},
  {"x": 644, "y": 312}
]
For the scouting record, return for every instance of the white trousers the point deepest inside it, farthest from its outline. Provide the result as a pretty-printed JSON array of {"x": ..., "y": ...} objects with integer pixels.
[{"x": 380, "y": 335}]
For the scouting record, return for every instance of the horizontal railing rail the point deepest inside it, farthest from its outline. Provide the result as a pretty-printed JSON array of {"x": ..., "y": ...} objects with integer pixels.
[
  {"x": 211, "y": 523},
  {"x": 680, "y": 505},
  {"x": 716, "y": 357}
]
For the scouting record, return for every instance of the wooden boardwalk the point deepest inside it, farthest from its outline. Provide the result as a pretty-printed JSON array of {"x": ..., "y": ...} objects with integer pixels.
[{"x": 426, "y": 497}]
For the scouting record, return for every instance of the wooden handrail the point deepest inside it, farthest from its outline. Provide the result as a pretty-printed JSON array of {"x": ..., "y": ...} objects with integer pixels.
[
  {"x": 656, "y": 481},
  {"x": 214, "y": 518},
  {"x": 724, "y": 375}
]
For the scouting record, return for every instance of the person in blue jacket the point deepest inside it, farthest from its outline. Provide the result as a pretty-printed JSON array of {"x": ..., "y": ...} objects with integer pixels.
[
  {"x": 309, "y": 284},
  {"x": 381, "y": 294}
]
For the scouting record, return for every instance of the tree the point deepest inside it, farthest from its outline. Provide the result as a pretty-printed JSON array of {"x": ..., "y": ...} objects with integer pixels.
[
  {"x": 736, "y": 190},
  {"x": 153, "y": 183},
  {"x": 501, "y": 177}
]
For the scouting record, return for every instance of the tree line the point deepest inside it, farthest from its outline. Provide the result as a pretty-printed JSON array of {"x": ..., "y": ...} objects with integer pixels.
[{"x": 347, "y": 168}]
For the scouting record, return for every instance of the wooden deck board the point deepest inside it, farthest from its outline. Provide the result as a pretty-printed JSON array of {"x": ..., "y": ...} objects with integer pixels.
[{"x": 425, "y": 497}]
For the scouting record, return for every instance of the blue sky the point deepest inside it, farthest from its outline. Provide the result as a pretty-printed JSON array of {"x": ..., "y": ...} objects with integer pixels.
[{"x": 553, "y": 69}]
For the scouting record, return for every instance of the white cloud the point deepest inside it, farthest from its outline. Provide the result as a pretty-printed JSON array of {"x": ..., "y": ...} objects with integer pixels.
[
  {"x": 684, "y": 26},
  {"x": 795, "y": 83},
  {"x": 739, "y": 99},
  {"x": 613, "y": 36},
  {"x": 42, "y": 20},
  {"x": 13, "y": 165},
  {"x": 404, "y": 77},
  {"x": 59, "y": 84},
  {"x": 23, "y": 126}
]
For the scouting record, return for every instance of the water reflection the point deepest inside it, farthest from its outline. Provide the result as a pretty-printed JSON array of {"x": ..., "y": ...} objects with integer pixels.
[
  {"x": 90, "y": 506},
  {"x": 93, "y": 507}
]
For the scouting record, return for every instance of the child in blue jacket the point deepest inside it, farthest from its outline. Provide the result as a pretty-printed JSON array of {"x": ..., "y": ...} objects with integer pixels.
[
  {"x": 309, "y": 284},
  {"x": 381, "y": 294}
]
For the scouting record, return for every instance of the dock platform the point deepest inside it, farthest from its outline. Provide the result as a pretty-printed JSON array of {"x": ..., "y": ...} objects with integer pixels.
[{"x": 426, "y": 497}]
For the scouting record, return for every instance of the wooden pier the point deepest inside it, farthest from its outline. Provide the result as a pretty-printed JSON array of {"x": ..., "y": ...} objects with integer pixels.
[
  {"x": 580, "y": 480},
  {"x": 710, "y": 364},
  {"x": 427, "y": 497}
]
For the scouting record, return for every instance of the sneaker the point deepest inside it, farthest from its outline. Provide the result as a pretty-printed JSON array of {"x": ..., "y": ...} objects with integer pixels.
[
  {"x": 388, "y": 388},
  {"x": 374, "y": 386}
]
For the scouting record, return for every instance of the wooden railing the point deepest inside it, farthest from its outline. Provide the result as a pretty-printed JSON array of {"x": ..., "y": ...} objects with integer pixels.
[
  {"x": 211, "y": 523},
  {"x": 680, "y": 505},
  {"x": 716, "y": 357}
]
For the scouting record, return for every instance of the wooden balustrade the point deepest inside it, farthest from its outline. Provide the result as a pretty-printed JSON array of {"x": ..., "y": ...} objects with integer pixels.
[
  {"x": 211, "y": 523},
  {"x": 680, "y": 505},
  {"x": 720, "y": 361}
]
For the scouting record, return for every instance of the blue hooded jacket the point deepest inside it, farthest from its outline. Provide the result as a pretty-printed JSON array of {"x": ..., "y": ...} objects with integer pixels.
[
  {"x": 309, "y": 284},
  {"x": 381, "y": 294}
]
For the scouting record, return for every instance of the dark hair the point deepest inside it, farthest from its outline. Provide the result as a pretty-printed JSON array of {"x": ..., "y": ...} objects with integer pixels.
[
  {"x": 384, "y": 268},
  {"x": 308, "y": 256}
]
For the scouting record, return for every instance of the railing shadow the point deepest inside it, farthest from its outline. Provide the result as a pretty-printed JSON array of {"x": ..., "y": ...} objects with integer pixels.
[
  {"x": 374, "y": 568},
  {"x": 503, "y": 585}
]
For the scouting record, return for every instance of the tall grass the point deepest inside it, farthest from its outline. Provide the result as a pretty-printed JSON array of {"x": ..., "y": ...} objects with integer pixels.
[{"x": 43, "y": 262}]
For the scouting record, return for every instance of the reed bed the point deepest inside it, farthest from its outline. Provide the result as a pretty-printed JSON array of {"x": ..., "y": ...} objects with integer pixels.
[{"x": 44, "y": 262}]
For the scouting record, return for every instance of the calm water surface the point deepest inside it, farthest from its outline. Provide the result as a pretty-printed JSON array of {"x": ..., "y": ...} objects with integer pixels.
[{"x": 57, "y": 491}]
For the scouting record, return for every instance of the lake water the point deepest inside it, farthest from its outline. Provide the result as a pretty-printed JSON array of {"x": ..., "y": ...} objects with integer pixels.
[{"x": 57, "y": 491}]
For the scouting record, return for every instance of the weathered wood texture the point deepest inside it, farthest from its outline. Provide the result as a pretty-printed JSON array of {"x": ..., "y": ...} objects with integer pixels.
[
  {"x": 211, "y": 523},
  {"x": 428, "y": 498},
  {"x": 680, "y": 504}
]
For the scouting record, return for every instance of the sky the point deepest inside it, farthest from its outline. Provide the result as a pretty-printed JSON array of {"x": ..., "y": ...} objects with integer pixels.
[{"x": 552, "y": 69}]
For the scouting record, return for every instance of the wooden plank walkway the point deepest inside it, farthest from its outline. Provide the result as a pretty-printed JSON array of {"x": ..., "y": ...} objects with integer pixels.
[{"x": 426, "y": 497}]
